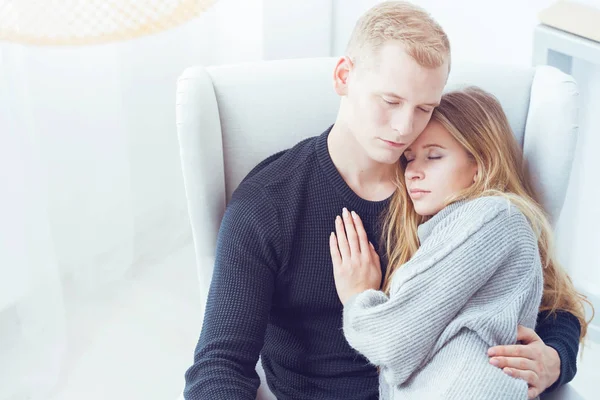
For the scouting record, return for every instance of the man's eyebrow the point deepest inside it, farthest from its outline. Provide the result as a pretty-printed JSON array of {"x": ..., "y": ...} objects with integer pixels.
[{"x": 390, "y": 94}]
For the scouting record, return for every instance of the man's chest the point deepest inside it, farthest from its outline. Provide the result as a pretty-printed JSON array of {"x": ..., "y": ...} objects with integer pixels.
[{"x": 306, "y": 283}]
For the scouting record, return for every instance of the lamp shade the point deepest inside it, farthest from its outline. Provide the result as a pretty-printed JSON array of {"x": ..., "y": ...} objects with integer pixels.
[{"x": 79, "y": 22}]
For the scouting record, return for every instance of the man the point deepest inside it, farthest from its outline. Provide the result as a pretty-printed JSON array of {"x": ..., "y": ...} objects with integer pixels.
[{"x": 272, "y": 292}]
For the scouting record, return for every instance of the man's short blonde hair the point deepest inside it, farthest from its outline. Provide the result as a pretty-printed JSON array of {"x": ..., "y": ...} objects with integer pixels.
[{"x": 423, "y": 38}]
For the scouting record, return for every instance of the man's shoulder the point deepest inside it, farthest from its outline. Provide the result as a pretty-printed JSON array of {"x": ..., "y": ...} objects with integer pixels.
[
  {"x": 264, "y": 195},
  {"x": 279, "y": 167}
]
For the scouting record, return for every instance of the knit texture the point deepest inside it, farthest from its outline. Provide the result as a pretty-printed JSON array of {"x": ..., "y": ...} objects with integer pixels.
[
  {"x": 561, "y": 331},
  {"x": 272, "y": 292},
  {"x": 476, "y": 276}
]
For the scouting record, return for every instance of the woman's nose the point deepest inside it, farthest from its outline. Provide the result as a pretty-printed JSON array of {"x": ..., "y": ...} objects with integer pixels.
[{"x": 413, "y": 171}]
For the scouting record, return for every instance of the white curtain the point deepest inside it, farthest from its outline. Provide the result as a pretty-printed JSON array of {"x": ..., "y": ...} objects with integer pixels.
[{"x": 98, "y": 288}]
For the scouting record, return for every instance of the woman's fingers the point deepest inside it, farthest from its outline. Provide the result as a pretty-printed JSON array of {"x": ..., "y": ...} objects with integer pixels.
[
  {"x": 352, "y": 238},
  {"x": 334, "y": 250},
  {"x": 341, "y": 238},
  {"x": 351, "y": 233},
  {"x": 363, "y": 241},
  {"x": 374, "y": 255}
]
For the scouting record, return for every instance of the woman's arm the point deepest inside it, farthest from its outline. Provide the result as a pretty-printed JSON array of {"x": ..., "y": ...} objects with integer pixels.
[{"x": 399, "y": 331}]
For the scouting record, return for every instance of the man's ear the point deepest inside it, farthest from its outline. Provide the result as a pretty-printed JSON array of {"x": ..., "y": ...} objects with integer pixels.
[{"x": 341, "y": 74}]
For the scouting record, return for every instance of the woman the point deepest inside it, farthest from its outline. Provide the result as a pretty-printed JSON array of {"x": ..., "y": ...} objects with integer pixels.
[{"x": 470, "y": 258}]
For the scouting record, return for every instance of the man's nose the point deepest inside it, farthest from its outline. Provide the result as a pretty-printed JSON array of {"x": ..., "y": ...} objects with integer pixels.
[{"x": 403, "y": 122}]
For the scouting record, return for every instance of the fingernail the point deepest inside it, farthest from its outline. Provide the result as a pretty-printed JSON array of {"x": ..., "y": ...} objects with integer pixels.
[
  {"x": 354, "y": 215},
  {"x": 494, "y": 361},
  {"x": 508, "y": 371},
  {"x": 491, "y": 353},
  {"x": 344, "y": 211}
]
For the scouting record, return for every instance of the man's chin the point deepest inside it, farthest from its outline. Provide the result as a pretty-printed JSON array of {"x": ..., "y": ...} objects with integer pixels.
[{"x": 388, "y": 159}]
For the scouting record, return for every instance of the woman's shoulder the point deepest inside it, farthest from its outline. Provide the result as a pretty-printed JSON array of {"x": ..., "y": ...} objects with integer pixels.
[
  {"x": 482, "y": 212},
  {"x": 495, "y": 212},
  {"x": 492, "y": 204},
  {"x": 465, "y": 218}
]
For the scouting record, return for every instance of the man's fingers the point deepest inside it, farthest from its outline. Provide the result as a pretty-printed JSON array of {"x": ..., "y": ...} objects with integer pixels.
[
  {"x": 530, "y": 377},
  {"x": 336, "y": 257},
  {"x": 526, "y": 335},
  {"x": 341, "y": 238},
  {"x": 516, "y": 350},
  {"x": 533, "y": 392},
  {"x": 513, "y": 362}
]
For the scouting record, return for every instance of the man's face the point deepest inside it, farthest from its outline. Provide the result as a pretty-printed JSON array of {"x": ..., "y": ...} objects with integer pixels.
[{"x": 389, "y": 103}]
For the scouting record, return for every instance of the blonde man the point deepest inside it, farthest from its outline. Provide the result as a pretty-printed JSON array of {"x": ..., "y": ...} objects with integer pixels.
[{"x": 272, "y": 293}]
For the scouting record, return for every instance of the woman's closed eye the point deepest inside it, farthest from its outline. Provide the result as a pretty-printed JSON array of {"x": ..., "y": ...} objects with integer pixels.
[{"x": 410, "y": 159}]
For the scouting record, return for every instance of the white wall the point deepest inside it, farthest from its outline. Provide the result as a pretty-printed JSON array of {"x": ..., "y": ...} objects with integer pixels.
[
  {"x": 481, "y": 31},
  {"x": 234, "y": 31},
  {"x": 295, "y": 29}
]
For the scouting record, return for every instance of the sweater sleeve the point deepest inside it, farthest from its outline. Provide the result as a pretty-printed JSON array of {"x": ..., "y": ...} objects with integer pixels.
[
  {"x": 239, "y": 301},
  {"x": 398, "y": 332},
  {"x": 561, "y": 331}
]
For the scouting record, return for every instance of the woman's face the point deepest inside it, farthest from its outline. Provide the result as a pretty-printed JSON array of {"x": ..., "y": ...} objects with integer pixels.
[{"x": 438, "y": 168}]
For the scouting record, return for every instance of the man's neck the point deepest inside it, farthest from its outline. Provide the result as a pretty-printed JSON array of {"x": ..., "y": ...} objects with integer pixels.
[{"x": 367, "y": 178}]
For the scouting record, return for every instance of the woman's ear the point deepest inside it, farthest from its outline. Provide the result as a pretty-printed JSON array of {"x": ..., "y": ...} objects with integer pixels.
[{"x": 476, "y": 174}]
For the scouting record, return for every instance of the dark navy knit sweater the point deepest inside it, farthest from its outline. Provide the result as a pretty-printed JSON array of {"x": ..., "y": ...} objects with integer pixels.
[{"x": 272, "y": 293}]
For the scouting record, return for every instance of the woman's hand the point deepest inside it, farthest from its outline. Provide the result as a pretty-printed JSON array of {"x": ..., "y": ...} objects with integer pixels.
[{"x": 356, "y": 266}]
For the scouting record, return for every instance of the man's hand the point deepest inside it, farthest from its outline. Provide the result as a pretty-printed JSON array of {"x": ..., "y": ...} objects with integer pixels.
[
  {"x": 531, "y": 360},
  {"x": 356, "y": 266}
]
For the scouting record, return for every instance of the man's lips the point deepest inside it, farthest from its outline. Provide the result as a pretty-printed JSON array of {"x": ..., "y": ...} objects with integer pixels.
[{"x": 393, "y": 144}]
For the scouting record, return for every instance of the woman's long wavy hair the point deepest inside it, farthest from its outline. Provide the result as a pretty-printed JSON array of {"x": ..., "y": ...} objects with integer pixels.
[{"x": 477, "y": 121}]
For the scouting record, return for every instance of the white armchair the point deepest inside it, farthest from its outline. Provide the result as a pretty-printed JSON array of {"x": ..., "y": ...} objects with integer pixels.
[{"x": 229, "y": 118}]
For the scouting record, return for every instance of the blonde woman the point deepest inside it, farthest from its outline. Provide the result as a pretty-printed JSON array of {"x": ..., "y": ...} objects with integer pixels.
[{"x": 470, "y": 258}]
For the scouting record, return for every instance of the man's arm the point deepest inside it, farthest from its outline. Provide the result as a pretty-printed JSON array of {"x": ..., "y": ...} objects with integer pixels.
[
  {"x": 238, "y": 303},
  {"x": 561, "y": 332},
  {"x": 547, "y": 357}
]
